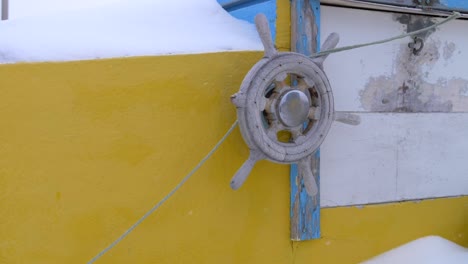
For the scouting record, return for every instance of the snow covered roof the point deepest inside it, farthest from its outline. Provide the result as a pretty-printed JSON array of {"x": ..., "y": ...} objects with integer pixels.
[
  {"x": 427, "y": 250},
  {"x": 119, "y": 28}
]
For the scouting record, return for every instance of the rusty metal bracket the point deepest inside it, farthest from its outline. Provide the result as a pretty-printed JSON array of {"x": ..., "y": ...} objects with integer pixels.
[
  {"x": 424, "y": 4},
  {"x": 417, "y": 45}
]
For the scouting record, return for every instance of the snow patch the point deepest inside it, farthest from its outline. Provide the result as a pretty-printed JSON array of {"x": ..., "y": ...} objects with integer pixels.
[
  {"x": 121, "y": 28},
  {"x": 427, "y": 250}
]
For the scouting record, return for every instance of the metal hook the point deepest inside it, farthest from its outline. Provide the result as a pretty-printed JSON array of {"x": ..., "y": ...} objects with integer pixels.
[{"x": 417, "y": 45}]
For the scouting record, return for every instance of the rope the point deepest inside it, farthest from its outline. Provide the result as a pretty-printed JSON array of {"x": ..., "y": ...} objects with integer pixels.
[
  {"x": 455, "y": 15},
  {"x": 185, "y": 179}
]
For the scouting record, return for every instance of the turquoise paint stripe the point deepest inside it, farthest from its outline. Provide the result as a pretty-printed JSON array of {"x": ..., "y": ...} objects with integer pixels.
[
  {"x": 462, "y": 4},
  {"x": 309, "y": 219},
  {"x": 238, "y": 4},
  {"x": 247, "y": 10},
  {"x": 223, "y": 2}
]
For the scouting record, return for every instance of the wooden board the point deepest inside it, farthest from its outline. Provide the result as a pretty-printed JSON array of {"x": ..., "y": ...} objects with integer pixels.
[
  {"x": 410, "y": 143},
  {"x": 393, "y": 157},
  {"x": 305, "y": 39},
  {"x": 370, "y": 79}
]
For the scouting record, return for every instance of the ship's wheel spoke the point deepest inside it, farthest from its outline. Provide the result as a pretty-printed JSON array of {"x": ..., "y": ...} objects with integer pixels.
[
  {"x": 303, "y": 84},
  {"x": 280, "y": 81},
  {"x": 297, "y": 136},
  {"x": 275, "y": 127},
  {"x": 314, "y": 113}
]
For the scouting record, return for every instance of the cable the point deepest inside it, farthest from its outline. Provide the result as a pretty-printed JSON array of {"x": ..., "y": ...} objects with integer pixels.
[
  {"x": 455, "y": 15},
  {"x": 185, "y": 179}
]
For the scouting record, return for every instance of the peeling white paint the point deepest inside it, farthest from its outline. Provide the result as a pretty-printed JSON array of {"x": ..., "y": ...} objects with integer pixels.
[
  {"x": 440, "y": 69},
  {"x": 413, "y": 146}
]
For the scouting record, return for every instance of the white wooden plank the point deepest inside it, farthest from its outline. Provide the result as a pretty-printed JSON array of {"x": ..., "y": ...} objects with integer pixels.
[
  {"x": 358, "y": 164},
  {"x": 392, "y": 157},
  {"x": 432, "y": 156},
  {"x": 369, "y": 79},
  {"x": 349, "y": 71}
]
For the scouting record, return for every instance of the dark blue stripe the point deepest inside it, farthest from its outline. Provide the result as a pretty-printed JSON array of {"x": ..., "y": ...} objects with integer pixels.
[{"x": 238, "y": 4}]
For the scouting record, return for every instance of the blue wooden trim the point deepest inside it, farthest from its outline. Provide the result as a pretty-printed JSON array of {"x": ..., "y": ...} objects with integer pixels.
[
  {"x": 248, "y": 9},
  {"x": 304, "y": 46},
  {"x": 305, "y": 210},
  {"x": 309, "y": 207}
]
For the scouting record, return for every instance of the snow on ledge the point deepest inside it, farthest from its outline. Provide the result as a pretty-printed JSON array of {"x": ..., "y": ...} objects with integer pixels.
[
  {"x": 427, "y": 250},
  {"x": 123, "y": 28}
]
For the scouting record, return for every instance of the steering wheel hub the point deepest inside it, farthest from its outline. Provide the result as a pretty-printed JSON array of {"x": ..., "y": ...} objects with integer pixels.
[{"x": 293, "y": 108}]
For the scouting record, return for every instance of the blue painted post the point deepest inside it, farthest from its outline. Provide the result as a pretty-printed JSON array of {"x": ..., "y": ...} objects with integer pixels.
[
  {"x": 305, "y": 18},
  {"x": 305, "y": 39}
]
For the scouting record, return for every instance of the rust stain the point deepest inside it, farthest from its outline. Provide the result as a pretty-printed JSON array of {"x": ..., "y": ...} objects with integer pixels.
[
  {"x": 406, "y": 89},
  {"x": 414, "y": 22}
]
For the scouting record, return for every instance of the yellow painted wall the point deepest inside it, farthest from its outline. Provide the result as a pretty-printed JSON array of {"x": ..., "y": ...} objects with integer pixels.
[
  {"x": 86, "y": 148},
  {"x": 283, "y": 25}
]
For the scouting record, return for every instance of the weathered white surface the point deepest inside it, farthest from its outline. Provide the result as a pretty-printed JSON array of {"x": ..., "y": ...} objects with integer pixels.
[
  {"x": 432, "y": 155},
  {"x": 395, "y": 154},
  {"x": 442, "y": 62},
  {"x": 349, "y": 71},
  {"x": 120, "y": 28},
  {"x": 427, "y": 250},
  {"x": 358, "y": 162},
  {"x": 391, "y": 157}
]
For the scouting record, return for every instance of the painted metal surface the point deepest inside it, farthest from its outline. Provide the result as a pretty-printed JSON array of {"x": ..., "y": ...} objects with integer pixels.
[
  {"x": 414, "y": 111},
  {"x": 305, "y": 209}
]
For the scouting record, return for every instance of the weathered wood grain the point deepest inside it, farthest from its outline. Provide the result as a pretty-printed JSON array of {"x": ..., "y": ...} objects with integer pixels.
[{"x": 305, "y": 210}]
